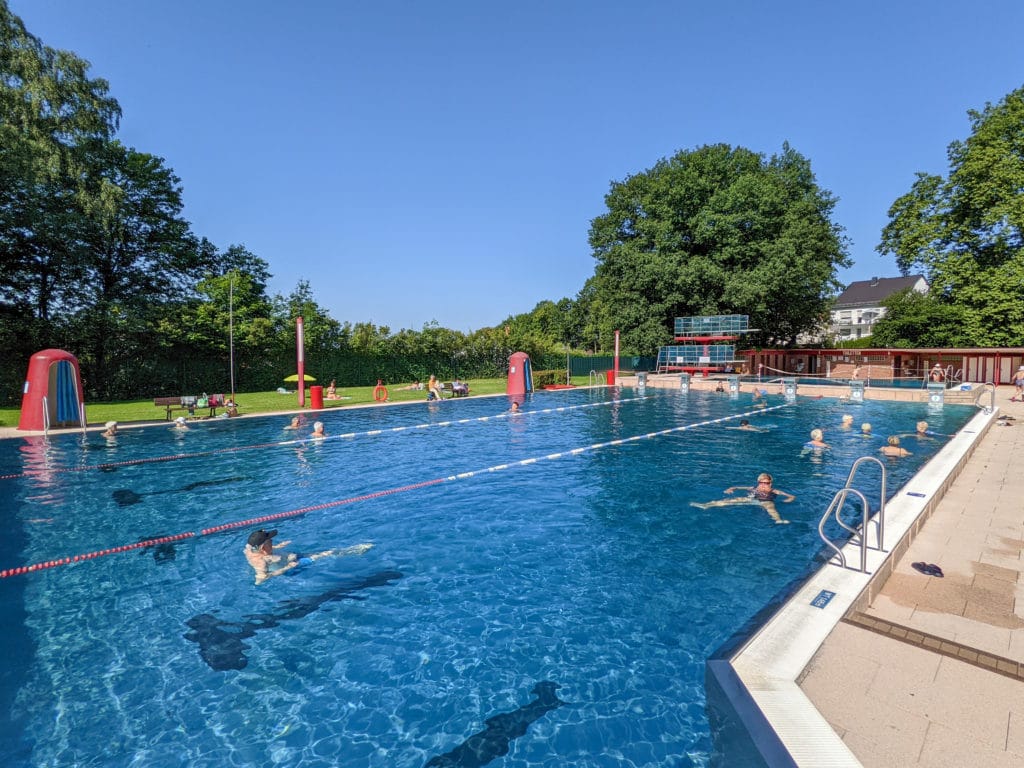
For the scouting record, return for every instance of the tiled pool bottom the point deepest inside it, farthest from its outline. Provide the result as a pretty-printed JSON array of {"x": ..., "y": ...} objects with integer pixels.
[{"x": 592, "y": 573}]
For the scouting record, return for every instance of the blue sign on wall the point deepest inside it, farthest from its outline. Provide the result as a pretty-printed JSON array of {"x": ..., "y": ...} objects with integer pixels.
[{"x": 823, "y": 598}]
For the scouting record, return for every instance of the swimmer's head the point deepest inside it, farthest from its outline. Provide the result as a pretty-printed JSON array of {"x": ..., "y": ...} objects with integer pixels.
[
  {"x": 180, "y": 420},
  {"x": 893, "y": 440},
  {"x": 744, "y": 422},
  {"x": 865, "y": 428},
  {"x": 922, "y": 426},
  {"x": 110, "y": 424},
  {"x": 817, "y": 434},
  {"x": 764, "y": 477},
  {"x": 318, "y": 426},
  {"x": 258, "y": 538},
  {"x": 847, "y": 419}
]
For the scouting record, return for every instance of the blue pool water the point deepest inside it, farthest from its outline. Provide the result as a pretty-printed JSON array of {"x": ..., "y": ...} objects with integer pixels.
[{"x": 551, "y": 613}]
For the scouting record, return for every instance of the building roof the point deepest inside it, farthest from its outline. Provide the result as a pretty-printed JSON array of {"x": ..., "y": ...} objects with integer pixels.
[{"x": 872, "y": 292}]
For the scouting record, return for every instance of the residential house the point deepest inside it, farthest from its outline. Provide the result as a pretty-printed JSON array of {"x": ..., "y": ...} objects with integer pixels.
[{"x": 859, "y": 307}]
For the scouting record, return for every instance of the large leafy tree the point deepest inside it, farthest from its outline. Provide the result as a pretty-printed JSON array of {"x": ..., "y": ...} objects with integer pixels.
[
  {"x": 966, "y": 231},
  {"x": 51, "y": 114},
  {"x": 716, "y": 230}
]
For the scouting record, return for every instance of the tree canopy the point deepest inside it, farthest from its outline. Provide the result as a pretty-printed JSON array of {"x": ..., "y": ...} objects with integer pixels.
[
  {"x": 966, "y": 232},
  {"x": 716, "y": 230}
]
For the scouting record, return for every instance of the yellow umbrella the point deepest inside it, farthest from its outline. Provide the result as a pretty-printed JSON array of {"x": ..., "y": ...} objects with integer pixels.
[{"x": 295, "y": 377}]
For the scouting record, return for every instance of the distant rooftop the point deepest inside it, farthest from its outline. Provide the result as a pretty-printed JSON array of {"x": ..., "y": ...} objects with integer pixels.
[{"x": 872, "y": 292}]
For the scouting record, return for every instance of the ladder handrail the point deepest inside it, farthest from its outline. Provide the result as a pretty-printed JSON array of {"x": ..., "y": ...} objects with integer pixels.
[
  {"x": 837, "y": 504},
  {"x": 860, "y": 534},
  {"x": 880, "y": 519},
  {"x": 989, "y": 387}
]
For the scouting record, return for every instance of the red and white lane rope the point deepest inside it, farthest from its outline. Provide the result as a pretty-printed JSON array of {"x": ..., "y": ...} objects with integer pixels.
[{"x": 17, "y": 571}]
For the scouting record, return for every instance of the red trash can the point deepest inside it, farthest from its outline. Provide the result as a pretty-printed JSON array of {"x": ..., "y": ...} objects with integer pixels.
[
  {"x": 316, "y": 398},
  {"x": 610, "y": 378}
]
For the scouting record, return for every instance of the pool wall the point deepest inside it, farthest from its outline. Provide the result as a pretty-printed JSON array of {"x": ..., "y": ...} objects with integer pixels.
[{"x": 758, "y": 688}]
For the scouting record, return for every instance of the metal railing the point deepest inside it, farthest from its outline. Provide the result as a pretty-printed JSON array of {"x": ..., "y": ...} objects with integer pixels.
[
  {"x": 989, "y": 387},
  {"x": 858, "y": 534}
]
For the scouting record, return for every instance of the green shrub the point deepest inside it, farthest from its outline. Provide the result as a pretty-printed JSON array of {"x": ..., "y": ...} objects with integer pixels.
[{"x": 542, "y": 379}]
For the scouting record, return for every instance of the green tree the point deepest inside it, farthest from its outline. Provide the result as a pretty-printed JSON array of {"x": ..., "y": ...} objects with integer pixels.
[
  {"x": 140, "y": 261},
  {"x": 966, "y": 231},
  {"x": 51, "y": 113},
  {"x": 716, "y": 230},
  {"x": 913, "y": 319}
]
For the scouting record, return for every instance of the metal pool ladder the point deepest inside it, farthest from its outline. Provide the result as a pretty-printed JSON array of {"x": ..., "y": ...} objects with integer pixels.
[{"x": 859, "y": 534}]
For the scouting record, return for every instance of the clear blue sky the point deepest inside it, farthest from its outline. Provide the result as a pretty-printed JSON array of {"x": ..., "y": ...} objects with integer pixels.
[{"x": 419, "y": 161}]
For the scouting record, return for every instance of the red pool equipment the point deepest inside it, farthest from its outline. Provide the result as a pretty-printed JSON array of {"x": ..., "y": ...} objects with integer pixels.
[
  {"x": 520, "y": 377},
  {"x": 52, "y": 395},
  {"x": 380, "y": 392}
]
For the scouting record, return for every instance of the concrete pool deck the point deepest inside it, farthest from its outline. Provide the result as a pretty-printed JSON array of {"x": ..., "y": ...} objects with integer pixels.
[{"x": 929, "y": 671}]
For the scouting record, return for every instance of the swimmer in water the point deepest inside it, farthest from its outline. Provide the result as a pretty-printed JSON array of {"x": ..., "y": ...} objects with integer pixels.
[
  {"x": 893, "y": 448},
  {"x": 294, "y": 424},
  {"x": 817, "y": 441},
  {"x": 259, "y": 551},
  {"x": 763, "y": 495},
  {"x": 847, "y": 421},
  {"x": 318, "y": 430},
  {"x": 746, "y": 426},
  {"x": 111, "y": 429}
]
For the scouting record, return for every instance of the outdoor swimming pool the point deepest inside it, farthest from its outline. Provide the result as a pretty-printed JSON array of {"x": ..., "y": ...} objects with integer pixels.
[{"x": 552, "y": 613}]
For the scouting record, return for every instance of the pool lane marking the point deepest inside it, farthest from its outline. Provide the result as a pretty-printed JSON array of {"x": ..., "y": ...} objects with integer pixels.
[
  {"x": 302, "y": 441},
  {"x": 367, "y": 496},
  {"x": 616, "y": 442}
]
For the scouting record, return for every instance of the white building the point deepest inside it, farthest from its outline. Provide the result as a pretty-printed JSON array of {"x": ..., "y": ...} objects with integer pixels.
[{"x": 859, "y": 307}]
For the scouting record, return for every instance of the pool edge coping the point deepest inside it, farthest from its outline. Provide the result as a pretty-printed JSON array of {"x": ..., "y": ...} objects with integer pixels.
[{"x": 767, "y": 668}]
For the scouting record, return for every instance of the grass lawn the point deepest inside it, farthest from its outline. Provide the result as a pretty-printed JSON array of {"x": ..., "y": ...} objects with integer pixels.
[{"x": 127, "y": 411}]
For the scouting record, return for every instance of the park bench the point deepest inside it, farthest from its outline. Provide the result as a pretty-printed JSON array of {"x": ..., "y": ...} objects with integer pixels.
[{"x": 188, "y": 403}]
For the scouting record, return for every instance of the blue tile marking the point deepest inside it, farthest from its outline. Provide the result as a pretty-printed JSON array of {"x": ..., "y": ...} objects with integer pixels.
[
  {"x": 823, "y": 598},
  {"x": 914, "y": 493}
]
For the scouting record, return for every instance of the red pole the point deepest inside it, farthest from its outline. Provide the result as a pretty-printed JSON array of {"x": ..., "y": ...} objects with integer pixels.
[
  {"x": 300, "y": 351},
  {"x": 616, "y": 356}
]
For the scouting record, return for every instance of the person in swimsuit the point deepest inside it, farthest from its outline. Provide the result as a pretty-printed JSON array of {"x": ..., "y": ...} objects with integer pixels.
[
  {"x": 763, "y": 495},
  {"x": 1018, "y": 382},
  {"x": 894, "y": 448},
  {"x": 259, "y": 551},
  {"x": 817, "y": 441}
]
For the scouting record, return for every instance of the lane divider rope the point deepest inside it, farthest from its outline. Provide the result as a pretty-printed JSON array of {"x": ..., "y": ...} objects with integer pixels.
[
  {"x": 302, "y": 441},
  {"x": 6, "y": 573}
]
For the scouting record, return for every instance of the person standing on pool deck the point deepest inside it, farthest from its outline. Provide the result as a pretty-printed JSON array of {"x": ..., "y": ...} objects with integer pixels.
[
  {"x": 1018, "y": 382},
  {"x": 763, "y": 495}
]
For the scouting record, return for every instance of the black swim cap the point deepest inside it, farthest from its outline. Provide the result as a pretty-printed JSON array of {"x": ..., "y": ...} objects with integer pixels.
[{"x": 257, "y": 538}]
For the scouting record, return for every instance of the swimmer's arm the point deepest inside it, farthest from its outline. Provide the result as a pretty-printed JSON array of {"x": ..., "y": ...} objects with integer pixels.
[
  {"x": 789, "y": 496},
  {"x": 734, "y": 488},
  {"x": 282, "y": 544}
]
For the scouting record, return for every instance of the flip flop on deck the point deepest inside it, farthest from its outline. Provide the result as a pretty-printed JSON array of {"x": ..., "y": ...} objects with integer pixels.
[{"x": 928, "y": 569}]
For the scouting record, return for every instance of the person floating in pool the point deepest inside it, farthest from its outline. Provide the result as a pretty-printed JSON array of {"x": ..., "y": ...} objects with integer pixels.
[
  {"x": 817, "y": 441},
  {"x": 746, "y": 426},
  {"x": 760, "y": 398},
  {"x": 763, "y": 495},
  {"x": 111, "y": 429},
  {"x": 259, "y": 551},
  {"x": 318, "y": 430},
  {"x": 180, "y": 425},
  {"x": 865, "y": 430},
  {"x": 294, "y": 423},
  {"x": 893, "y": 448},
  {"x": 515, "y": 406},
  {"x": 847, "y": 422}
]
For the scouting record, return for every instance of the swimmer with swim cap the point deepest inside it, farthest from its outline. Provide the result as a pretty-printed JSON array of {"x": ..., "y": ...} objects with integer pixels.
[
  {"x": 259, "y": 551},
  {"x": 817, "y": 441},
  {"x": 111, "y": 429}
]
